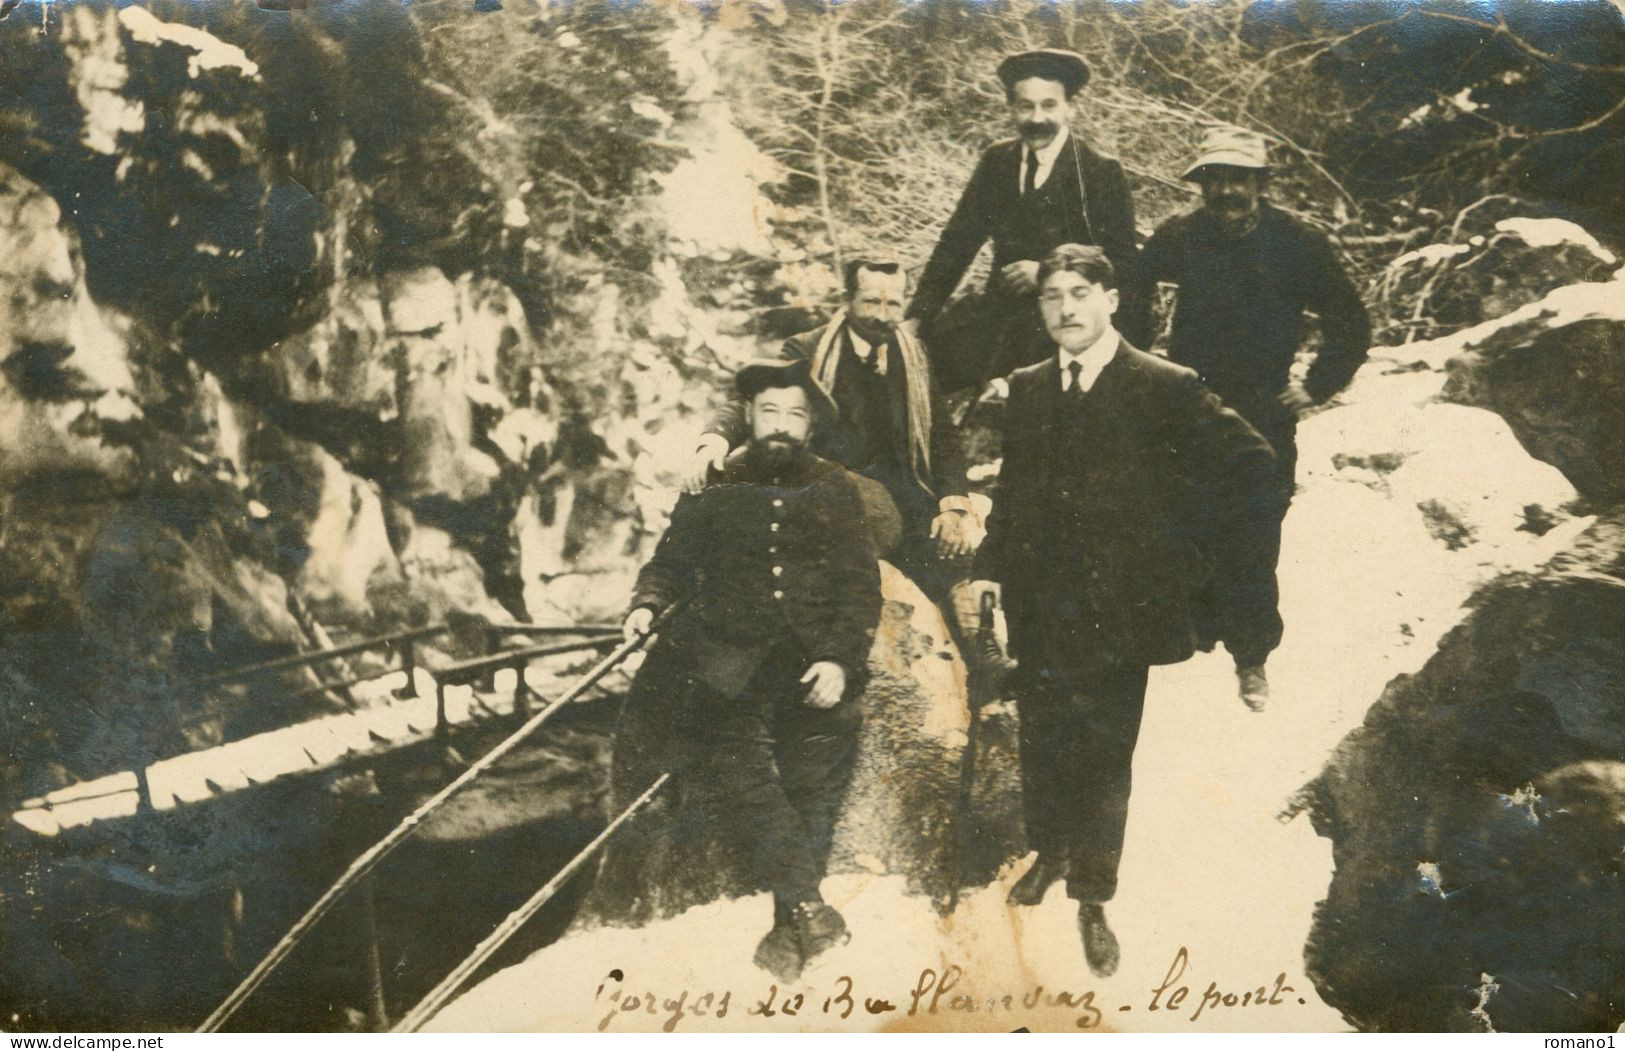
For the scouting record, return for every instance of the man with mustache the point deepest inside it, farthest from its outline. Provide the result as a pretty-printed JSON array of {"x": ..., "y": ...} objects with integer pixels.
[
  {"x": 1109, "y": 455},
  {"x": 756, "y": 675},
  {"x": 1246, "y": 273},
  {"x": 885, "y": 428},
  {"x": 1028, "y": 194}
]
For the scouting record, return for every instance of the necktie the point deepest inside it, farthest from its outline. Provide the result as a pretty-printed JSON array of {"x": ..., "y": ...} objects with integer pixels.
[
  {"x": 1076, "y": 390},
  {"x": 1030, "y": 180}
]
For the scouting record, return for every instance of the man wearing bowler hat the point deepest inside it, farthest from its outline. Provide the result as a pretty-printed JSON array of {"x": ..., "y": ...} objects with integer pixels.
[
  {"x": 753, "y": 684},
  {"x": 1246, "y": 272},
  {"x": 1028, "y": 194}
]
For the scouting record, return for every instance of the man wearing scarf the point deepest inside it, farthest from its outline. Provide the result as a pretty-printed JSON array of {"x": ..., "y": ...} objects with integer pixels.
[{"x": 880, "y": 380}]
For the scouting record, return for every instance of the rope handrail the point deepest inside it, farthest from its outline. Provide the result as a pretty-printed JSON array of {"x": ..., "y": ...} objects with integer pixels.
[
  {"x": 454, "y": 674},
  {"x": 375, "y": 854},
  {"x": 297, "y": 660},
  {"x": 441, "y": 994}
]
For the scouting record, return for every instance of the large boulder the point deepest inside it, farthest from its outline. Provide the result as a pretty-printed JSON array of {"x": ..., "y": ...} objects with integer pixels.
[
  {"x": 1559, "y": 382},
  {"x": 1501, "y": 254},
  {"x": 1476, "y": 818}
]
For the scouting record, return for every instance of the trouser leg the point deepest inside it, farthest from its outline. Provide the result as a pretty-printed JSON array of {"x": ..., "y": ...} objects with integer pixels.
[
  {"x": 1077, "y": 754},
  {"x": 775, "y": 770},
  {"x": 1249, "y": 576},
  {"x": 816, "y": 752}
]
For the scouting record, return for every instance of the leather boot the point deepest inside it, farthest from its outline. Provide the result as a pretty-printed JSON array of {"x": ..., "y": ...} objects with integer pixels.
[
  {"x": 779, "y": 952},
  {"x": 818, "y": 929},
  {"x": 1253, "y": 686},
  {"x": 1100, "y": 949}
]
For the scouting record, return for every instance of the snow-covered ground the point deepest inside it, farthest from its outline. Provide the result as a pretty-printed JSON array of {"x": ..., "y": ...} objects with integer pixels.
[{"x": 1406, "y": 505}]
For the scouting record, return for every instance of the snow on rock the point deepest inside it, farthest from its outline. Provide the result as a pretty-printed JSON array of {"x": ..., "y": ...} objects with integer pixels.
[
  {"x": 1547, "y": 233},
  {"x": 208, "y": 50},
  {"x": 1493, "y": 772},
  {"x": 1557, "y": 376},
  {"x": 1499, "y": 258}
]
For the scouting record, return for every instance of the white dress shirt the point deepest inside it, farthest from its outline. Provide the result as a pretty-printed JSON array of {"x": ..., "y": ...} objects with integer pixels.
[
  {"x": 1093, "y": 358},
  {"x": 1046, "y": 161}
]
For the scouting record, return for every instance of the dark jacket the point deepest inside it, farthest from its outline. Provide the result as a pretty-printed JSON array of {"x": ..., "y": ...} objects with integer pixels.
[
  {"x": 1102, "y": 510},
  {"x": 1029, "y": 226},
  {"x": 1239, "y": 319},
  {"x": 767, "y": 559}
]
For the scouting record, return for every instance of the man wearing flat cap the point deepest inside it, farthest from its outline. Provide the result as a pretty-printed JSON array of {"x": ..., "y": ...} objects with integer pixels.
[
  {"x": 1246, "y": 272},
  {"x": 758, "y": 670},
  {"x": 1028, "y": 194}
]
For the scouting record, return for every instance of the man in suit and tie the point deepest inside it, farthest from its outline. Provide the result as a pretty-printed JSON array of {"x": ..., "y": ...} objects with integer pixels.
[
  {"x": 1112, "y": 460},
  {"x": 1028, "y": 194}
]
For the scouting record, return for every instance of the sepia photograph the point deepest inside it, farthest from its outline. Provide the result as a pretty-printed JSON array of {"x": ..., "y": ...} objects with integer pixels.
[{"x": 812, "y": 516}]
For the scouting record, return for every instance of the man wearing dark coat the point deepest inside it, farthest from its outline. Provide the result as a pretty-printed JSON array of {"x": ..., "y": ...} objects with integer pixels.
[
  {"x": 886, "y": 429},
  {"x": 1028, "y": 194},
  {"x": 782, "y": 589},
  {"x": 1110, "y": 458},
  {"x": 1246, "y": 273}
]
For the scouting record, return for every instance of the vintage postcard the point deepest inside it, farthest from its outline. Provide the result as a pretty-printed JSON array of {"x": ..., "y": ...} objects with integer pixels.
[{"x": 812, "y": 516}]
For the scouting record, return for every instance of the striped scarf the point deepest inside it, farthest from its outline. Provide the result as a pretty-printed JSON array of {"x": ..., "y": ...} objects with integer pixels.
[{"x": 917, "y": 383}]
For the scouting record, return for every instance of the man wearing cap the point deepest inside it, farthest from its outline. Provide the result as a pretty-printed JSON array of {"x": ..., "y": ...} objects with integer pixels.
[
  {"x": 1028, "y": 194},
  {"x": 1109, "y": 455},
  {"x": 783, "y": 597},
  {"x": 1246, "y": 272},
  {"x": 880, "y": 381}
]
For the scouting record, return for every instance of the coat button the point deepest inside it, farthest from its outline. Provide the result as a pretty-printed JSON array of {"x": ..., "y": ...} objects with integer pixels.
[
  {"x": 774, "y": 526},
  {"x": 778, "y": 571},
  {"x": 773, "y": 550},
  {"x": 778, "y": 503},
  {"x": 778, "y": 594}
]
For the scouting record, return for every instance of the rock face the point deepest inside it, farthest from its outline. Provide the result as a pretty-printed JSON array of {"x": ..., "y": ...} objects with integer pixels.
[
  {"x": 899, "y": 815},
  {"x": 1477, "y": 818},
  {"x": 1559, "y": 389}
]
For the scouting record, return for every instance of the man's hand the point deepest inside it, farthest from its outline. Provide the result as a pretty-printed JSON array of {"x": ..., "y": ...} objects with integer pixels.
[
  {"x": 955, "y": 534},
  {"x": 1020, "y": 277},
  {"x": 1295, "y": 398},
  {"x": 637, "y": 623},
  {"x": 696, "y": 472},
  {"x": 828, "y": 683}
]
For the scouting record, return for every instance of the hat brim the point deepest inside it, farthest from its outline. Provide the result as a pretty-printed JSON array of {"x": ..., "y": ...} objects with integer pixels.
[
  {"x": 1064, "y": 67},
  {"x": 757, "y": 376}
]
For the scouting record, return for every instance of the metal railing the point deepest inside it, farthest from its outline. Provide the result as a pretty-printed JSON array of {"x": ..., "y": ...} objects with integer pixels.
[{"x": 358, "y": 869}]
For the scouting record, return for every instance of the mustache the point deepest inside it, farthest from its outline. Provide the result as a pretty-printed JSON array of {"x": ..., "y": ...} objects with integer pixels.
[{"x": 1038, "y": 127}]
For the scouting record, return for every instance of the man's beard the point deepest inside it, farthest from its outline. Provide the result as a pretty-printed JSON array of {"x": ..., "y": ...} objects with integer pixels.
[
  {"x": 777, "y": 451},
  {"x": 1038, "y": 129}
]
